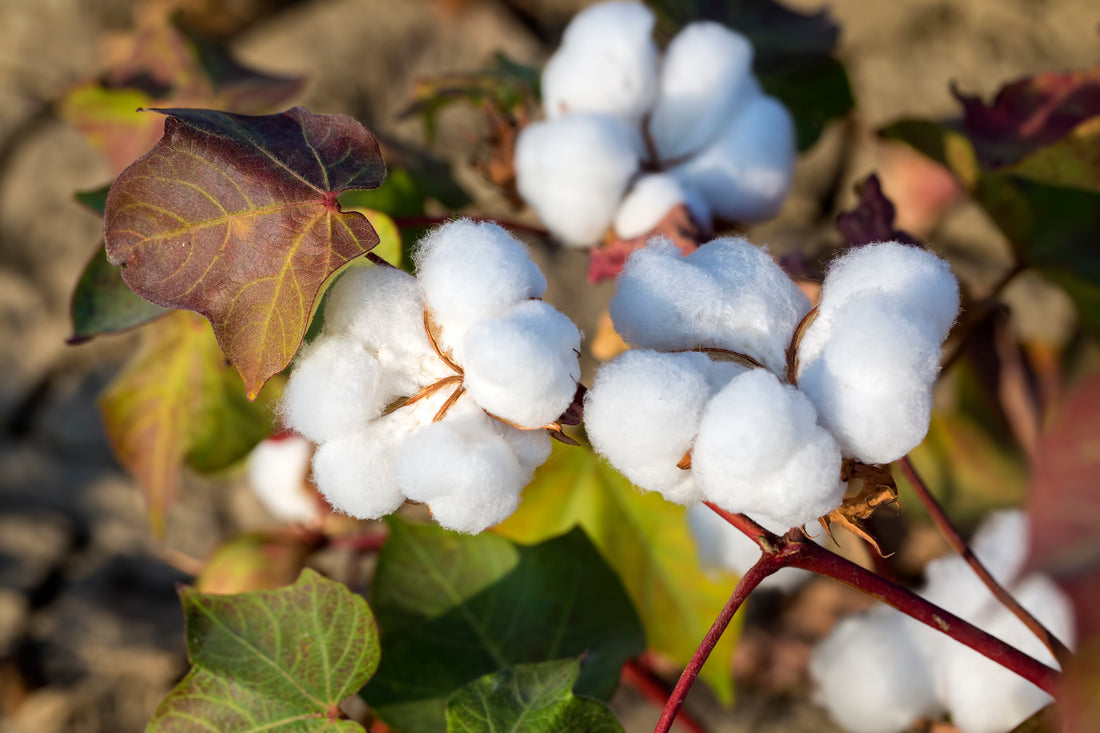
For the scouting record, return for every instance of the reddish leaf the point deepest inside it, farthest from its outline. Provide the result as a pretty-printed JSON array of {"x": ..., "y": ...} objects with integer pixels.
[
  {"x": 236, "y": 218},
  {"x": 1065, "y": 504},
  {"x": 872, "y": 220}
]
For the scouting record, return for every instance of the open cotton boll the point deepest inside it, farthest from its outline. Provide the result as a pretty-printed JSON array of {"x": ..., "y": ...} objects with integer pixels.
[
  {"x": 573, "y": 170},
  {"x": 522, "y": 366},
  {"x": 916, "y": 281},
  {"x": 469, "y": 271},
  {"x": 746, "y": 172},
  {"x": 649, "y": 200},
  {"x": 531, "y": 447},
  {"x": 1002, "y": 543},
  {"x": 721, "y": 546},
  {"x": 706, "y": 75},
  {"x": 354, "y": 472},
  {"x": 872, "y": 381},
  {"x": 607, "y": 63},
  {"x": 642, "y": 414},
  {"x": 760, "y": 450},
  {"x": 335, "y": 388},
  {"x": 870, "y": 675},
  {"x": 277, "y": 471}
]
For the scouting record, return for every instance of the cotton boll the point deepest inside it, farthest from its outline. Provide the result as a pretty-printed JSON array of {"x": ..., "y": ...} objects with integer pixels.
[
  {"x": 871, "y": 676},
  {"x": 277, "y": 471},
  {"x": 522, "y": 366},
  {"x": 872, "y": 381},
  {"x": 761, "y": 450},
  {"x": 746, "y": 172},
  {"x": 721, "y": 546},
  {"x": 354, "y": 472},
  {"x": 531, "y": 447},
  {"x": 705, "y": 77},
  {"x": 334, "y": 389},
  {"x": 642, "y": 414},
  {"x": 470, "y": 271},
  {"x": 1002, "y": 542},
  {"x": 573, "y": 171},
  {"x": 649, "y": 201},
  {"x": 607, "y": 63}
]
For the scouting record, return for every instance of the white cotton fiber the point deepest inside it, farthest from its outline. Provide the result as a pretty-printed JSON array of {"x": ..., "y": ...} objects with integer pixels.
[
  {"x": 523, "y": 365},
  {"x": 760, "y": 450},
  {"x": 706, "y": 76},
  {"x": 277, "y": 471},
  {"x": 720, "y": 546},
  {"x": 871, "y": 676},
  {"x": 531, "y": 447},
  {"x": 648, "y": 202},
  {"x": 335, "y": 388},
  {"x": 727, "y": 294},
  {"x": 872, "y": 382},
  {"x": 354, "y": 472},
  {"x": 1002, "y": 543},
  {"x": 642, "y": 414},
  {"x": 573, "y": 171},
  {"x": 746, "y": 172},
  {"x": 607, "y": 63},
  {"x": 470, "y": 271}
]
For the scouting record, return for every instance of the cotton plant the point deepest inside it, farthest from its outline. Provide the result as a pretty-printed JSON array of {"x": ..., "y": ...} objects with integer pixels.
[
  {"x": 631, "y": 131},
  {"x": 441, "y": 388},
  {"x": 907, "y": 671},
  {"x": 737, "y": 392}
]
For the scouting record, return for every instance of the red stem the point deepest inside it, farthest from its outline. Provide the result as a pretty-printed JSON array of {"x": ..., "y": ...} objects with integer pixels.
[
  {"x": 638, "y": 675},
  {"x": 765, "y": 566},
  {"x": 1060, "y": 651},
  {"x": 426, "y": 221}
]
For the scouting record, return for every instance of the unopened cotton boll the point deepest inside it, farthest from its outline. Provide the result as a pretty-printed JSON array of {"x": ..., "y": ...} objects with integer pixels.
[
  {"x": 706, "y": 75},
  {"x": 746, "y": 172},
  {"x": 607, "y": 63},
  {"x": 573, "y": 171},
  {"x": 335, "y": 388},
  {"x": 721, "y": 546},
  {"x": 355, "y": 474},
  {"x": 642, "y": 414},
  {"x": 871, "y": 676},
  {"x": 278, "y": 469},
  {"x": 760, "y": 450}
]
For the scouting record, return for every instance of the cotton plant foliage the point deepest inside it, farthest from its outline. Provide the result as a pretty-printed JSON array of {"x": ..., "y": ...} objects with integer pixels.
[
  {"x": 907, "y": 670},
  {"x": 616, "y": 104},
  {"x": 704, "y": 407},
  {"x": 436, "y": 388}
]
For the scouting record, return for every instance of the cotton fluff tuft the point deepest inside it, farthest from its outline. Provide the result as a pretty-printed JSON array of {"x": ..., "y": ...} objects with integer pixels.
[
  {"x": 760, "y": 450},
  {"x": 522, "y": 366},
  {"x": 277, "y": 471},
  {"x": 607, "y": 63},
  {"x": 573, "y": 171},
  {"x": 720, "y": 546},
  {"x": 649, "y": 201},
  {"x": 354, "y": 473},
  {"x": 706, "y": 76},
  {"x": 727, "y": 294},
  {"x": 746, "y": 172}
]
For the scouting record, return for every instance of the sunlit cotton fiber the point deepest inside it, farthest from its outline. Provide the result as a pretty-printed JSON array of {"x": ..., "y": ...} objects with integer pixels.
[
  {"x": 277, "y": 471},
  {"x": 650, "y": 199}
]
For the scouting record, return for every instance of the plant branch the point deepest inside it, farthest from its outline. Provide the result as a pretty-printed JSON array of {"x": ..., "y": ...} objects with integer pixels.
[
  {"x": 765, "y": 566},
  {"x": 979, "y": 311},
  {"x": 637, "y": 674},
  {"x": 427, "y": 221},
  {"x": 1060, "y": 651}
]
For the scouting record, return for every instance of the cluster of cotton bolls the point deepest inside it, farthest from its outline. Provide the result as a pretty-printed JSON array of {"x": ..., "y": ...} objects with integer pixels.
[
  {"x": 878, "y": 672},
  {"x": 615, "y": 106},
  {"x": 436, "y": 388},
  {"x": 704, "y": 406}
]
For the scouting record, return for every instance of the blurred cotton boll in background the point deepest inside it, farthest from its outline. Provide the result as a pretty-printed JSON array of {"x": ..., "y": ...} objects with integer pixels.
[{"x": 278, "y": 471}]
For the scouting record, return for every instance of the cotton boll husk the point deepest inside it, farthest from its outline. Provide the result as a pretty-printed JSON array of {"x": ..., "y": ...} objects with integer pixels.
[
  {"x": 746, "y": 172},
  {"x": 522, "y": 366},
  {"x": 277, "y": 471},
  {"x": 760, "y": 449},
  {"x": 607, "y": 63},
  {"x": 706, "y": 75},
  {"x": 642, "y": 414},
  {"x": 466, "y": 473},
  {"x": 872, "y": 381},
  {"x": 335, "y": 388},
  {"x": 870, "y": 675},
  {"x": 573, "y": 171},
  {"x": 354, "y": 472},
  {"x": 649, "y": 201},
  {"x": 721, "y": 546},
  {"x": 469, "y": 271}
]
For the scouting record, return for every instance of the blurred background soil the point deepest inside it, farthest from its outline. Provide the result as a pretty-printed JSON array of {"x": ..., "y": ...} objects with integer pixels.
[{"x": 90, "y": 627}]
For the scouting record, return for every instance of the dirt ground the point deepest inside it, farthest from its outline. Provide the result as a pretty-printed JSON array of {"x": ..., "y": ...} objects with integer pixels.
[{"x": 90, "y": 628}]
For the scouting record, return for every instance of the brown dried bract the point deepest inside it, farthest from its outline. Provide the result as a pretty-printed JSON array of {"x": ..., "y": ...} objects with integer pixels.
[{"x": 869, "y": 487}]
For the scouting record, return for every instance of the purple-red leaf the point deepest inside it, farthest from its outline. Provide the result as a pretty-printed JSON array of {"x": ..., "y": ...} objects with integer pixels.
[
  {"x": 872, "y": 220},
  {"x": 236, "y": 217}
]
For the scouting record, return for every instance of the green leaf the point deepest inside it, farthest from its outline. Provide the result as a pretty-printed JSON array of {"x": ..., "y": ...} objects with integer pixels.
[
  {"x": 646, "y": 540},
  {"x": 236, "y": 218},
  {"x": 1073, "y": 161},
  {"x": 272, "y": 660},
  {"x": 528, "y": 698},
  {"x": 814, "y": 89},
  {"x": 102, "y": 303},
  {"x": 95, "y": 198},
  {"x": 453, "y": 608}
]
